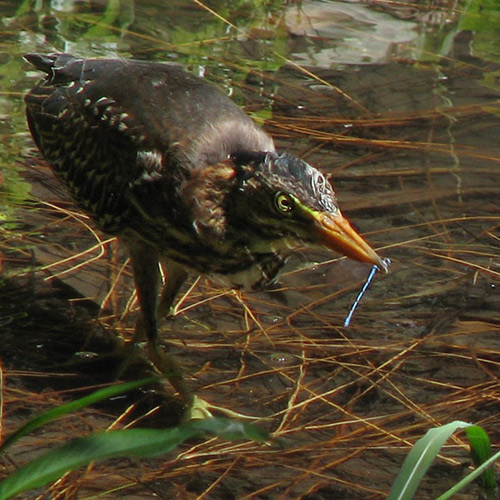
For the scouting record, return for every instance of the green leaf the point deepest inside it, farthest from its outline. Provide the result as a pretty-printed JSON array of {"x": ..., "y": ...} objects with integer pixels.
[
  {"x": 476, "y": 473},
  {"x": 420, "y": 458},
  {"x": 59, "y": 411},
  {"x": 480, "y": 448},
  {"x": 425, "y": 450},
  {"x": 120, "y": 443}
]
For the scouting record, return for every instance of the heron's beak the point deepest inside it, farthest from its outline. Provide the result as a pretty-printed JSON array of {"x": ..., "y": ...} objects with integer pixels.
[{"x": 336, "y": 233}]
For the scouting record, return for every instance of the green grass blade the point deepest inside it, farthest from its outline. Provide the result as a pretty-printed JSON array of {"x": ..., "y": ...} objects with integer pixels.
[
  {"x": 476, "y": 473},
  {"x": 480, "y": 447},
  {"x": 52, "y": 414},
  {"x": 119, "y": 443},
  {"x": 420, "y": 458}
]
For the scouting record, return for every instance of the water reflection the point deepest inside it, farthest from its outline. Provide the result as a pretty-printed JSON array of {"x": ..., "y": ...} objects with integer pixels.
[{"x": 349, "y": 33}]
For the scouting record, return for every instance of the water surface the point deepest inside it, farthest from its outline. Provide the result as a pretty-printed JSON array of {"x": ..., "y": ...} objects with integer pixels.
[{"x": 399, "y": 103}]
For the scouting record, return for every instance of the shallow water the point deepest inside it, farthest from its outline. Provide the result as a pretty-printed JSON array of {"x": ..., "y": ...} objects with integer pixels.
[{"x": 399, "y": 103}]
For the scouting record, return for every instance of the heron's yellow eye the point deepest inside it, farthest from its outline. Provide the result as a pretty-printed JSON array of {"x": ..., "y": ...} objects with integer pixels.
[{"x": 284, "y": 202}]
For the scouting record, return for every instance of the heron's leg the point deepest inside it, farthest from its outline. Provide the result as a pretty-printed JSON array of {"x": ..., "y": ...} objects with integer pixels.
[
  {"x": 144, "y": 259},
  {"x": 145, "y": 264},
  {"x": 176, "y": 276}
]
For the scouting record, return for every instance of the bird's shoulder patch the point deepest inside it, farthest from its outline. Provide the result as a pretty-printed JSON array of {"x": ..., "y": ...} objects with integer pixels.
[{"x": 205, "y": 193}]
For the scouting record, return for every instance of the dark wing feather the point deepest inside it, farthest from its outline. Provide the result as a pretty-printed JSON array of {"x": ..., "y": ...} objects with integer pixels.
[{"x": 102, "y": 138}]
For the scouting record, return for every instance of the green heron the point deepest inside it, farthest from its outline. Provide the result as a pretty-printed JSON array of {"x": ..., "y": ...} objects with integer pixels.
[{"x": 170, "y": 165}]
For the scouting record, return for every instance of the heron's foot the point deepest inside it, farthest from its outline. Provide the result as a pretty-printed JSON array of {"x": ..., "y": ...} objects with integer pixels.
[
  {"x": 201, "y": 409},
  {"x": 195, "y": 407},
  {"x": 133, "y": 356},
  {"x": 135, "y": 359}
]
